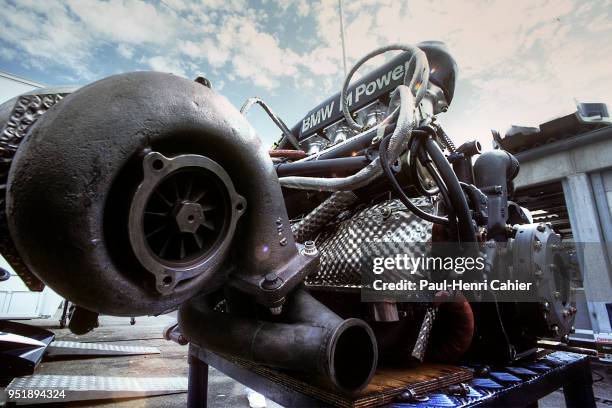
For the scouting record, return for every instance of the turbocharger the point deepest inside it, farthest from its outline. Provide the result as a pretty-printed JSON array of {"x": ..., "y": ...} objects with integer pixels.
[{"x": 144, "y": 190}]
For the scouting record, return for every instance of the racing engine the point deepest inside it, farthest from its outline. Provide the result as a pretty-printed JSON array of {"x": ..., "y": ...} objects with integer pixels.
[{"x": 364, "y": 237}]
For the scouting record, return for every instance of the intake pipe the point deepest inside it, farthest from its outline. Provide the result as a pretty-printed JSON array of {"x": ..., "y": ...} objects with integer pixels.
[
  {"x": 462, "y": 161},
  {"x": 312, "y": 339},
  {"x": 493, "y": 175}
]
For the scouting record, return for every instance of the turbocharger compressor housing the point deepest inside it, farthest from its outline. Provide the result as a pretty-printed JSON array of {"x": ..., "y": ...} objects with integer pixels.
[{"x": 125, "y": 198}]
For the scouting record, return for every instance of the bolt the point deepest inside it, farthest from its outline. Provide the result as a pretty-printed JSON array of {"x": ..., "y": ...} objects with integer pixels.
[
  {"x": 555, "y": 329},
  {"x": 537, "y": 245},
  {"x": 310, "y": 249},
  {"x": 572, "y": 329},
  {"x": 189, "y": 217},
  {"x": 545, "y": 306},
  {"x": 460, "y": 390},
  {"x": 482, "y": 371},
  {"x": 541, "y": 228},
  {"x": 271, "y": 277},
  {"x": 406, "y": 396},
  {"x": 566, "y": 313},
  {"x": 565, "y": 339},
  {"x": 410, "y": 395},
  {"x": 538, "y": 271},
  {"x": 386, "y": 212},
  {"x": 203, "y": 81},
  {"x": 271, "y": 281},
  {"x": 557, "y": 295},
  {"x": 276, "y": 310}
]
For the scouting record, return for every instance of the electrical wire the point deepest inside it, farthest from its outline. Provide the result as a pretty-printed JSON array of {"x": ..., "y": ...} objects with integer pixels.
[
  {"x": 501, "y": 325},
  {"x": 448, "y": 206},
  {"x": 458, "y": 199}
]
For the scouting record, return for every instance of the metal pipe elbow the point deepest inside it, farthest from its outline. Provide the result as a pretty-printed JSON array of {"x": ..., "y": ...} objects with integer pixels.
[{"x": 341, "y": 354}]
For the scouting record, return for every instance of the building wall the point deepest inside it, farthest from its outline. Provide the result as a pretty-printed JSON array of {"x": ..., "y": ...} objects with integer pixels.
[
  {"x": 607, "y": 183},
  {"x": 11, "y": 86}
]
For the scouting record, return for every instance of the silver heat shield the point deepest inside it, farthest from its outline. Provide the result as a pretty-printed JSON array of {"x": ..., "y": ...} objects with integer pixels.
[{"x": 346, "y": 243}]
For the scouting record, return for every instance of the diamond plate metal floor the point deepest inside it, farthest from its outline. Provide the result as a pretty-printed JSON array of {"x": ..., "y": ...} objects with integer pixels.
[
  {"x": 74, "y": 348},
  {"x": 41, "y": 389}
]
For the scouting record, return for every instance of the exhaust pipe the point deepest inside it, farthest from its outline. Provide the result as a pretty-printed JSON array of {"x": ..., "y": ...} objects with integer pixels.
[{"x": 311, "y": 339}]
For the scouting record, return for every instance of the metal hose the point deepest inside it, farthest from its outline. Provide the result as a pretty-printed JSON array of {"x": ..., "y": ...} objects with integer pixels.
[
  {"x": 397, "y": 143},
  {"x": 416, "y": 76},
  {"x": 277, "y": 120},
  {"x": 446, "y": 140},
  {"x": 321, "y": 216}
]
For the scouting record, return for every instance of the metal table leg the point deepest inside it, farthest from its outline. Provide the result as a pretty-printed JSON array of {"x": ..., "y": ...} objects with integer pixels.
[
  {"x": 578, "y": 389},
  {"x": 64, "y": 318},
  {"x": 197, "y": 393}
]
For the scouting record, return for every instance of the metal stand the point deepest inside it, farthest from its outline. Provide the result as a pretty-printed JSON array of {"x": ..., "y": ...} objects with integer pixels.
[
  {"x": 64, "y": 317},
  {"x": 197, "y": 393},
  {"x": 520, "y": 385}
]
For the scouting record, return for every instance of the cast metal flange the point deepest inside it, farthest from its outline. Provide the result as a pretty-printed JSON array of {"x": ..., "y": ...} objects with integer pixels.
[
  {"x": 182, "y": 217},
  {"x": 538, "y": 258}
]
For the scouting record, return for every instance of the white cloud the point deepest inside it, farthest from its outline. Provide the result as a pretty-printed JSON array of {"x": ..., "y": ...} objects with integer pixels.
[
  {"x": 28, "y": 30},
  {"x": 166, "y": 64},
  {"x": 303, "y": 8},
  {"x": 125, "y": 51},
  {"x": 519, "y": 60},
  {"x": 129, "y": 21},
  {"x": 8, "y": 54},
  {"x": 219, "y": 85}
]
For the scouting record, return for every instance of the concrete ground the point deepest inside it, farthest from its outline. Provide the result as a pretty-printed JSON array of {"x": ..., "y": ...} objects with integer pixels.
[{"x": 223, "y": 391}]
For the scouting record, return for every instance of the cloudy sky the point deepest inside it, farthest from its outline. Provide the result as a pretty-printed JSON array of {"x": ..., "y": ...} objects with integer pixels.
[{"x": 521, "y": 61}]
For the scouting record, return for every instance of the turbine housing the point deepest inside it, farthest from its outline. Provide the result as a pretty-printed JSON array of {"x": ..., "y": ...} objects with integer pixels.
[{"x": 141, "y": 190}]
